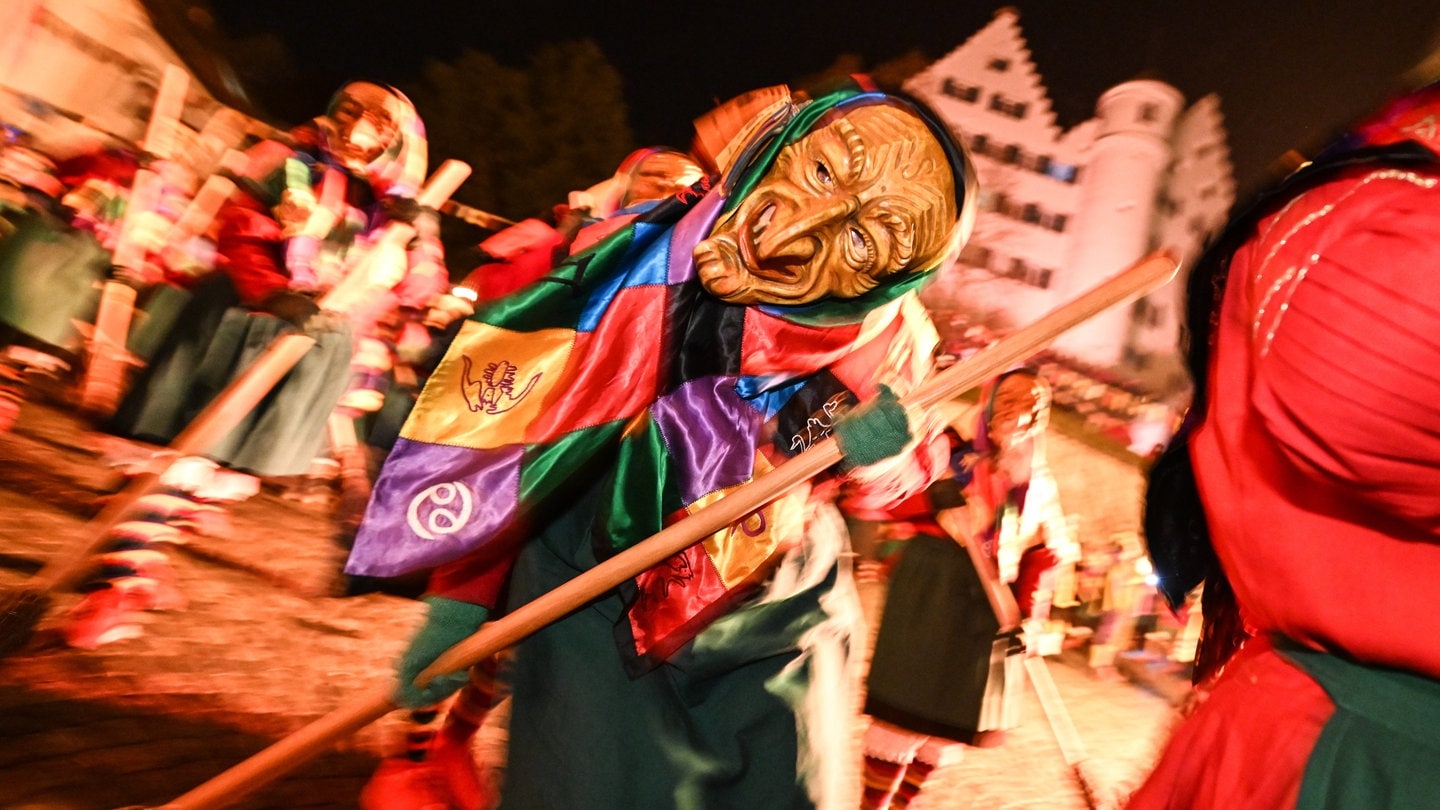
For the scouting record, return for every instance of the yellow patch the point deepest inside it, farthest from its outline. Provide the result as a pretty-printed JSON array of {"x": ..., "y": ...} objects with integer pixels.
[
  {"x": 748, "y": 544},
  {"x": 491, "y": 386}
]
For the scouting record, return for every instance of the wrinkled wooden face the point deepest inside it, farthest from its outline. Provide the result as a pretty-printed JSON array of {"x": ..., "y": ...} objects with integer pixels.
[
  {"x": 1017, "y": 409},
  {"x": 867, "y": 195},
  {"x": 361, "y": 124}
]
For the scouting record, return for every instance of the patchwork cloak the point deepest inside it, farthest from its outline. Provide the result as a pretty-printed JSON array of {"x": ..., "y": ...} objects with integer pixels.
[{"x": 618, "y": 367}]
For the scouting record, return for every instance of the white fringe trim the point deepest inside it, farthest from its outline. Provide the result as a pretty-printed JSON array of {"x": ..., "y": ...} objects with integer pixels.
[{"x": 825, "y": 717}]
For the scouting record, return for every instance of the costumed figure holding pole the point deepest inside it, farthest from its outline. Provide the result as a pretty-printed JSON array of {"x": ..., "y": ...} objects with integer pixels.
[
  {"x": 998, "y": 502},
  {"x": 705, "y": 341},
  {"x": 718, "y": 517}
]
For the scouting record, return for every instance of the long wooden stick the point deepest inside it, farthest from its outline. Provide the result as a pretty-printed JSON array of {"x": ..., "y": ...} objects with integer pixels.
[
  {"x": 224, "y": 412},
  {"x": 293, "y": 751},
  {"x": 1007, "y": 613},
  {"x": 107, "y": 361},
  {"x": 677, "y": 537}
]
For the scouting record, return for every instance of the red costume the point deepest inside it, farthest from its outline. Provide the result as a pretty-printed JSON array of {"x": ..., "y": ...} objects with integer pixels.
[{"x": 1318, "y": 464}]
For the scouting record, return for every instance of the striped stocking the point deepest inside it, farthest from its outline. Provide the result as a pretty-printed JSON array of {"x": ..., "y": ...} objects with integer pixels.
[
  {"x": 882, "y": 779},
  {"x": 914, "y": 778}
]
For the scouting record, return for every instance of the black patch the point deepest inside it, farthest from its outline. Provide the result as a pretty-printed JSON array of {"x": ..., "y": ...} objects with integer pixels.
[
  {"x": 809, "y": 415},
  {"x": 707, "y": 334}
]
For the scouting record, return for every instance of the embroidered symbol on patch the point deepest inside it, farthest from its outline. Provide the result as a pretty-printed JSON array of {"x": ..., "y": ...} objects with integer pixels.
[
  {"x": 695, "y": 192},
  {"x": 440, "y": 510},
  {"x": 817, "y": 427},
  {"x": 577, "y": 265},
  {"x": 753, "y": 524},
  {"x": 674, "y": 572},
  {"x": 494, "y": 392}
]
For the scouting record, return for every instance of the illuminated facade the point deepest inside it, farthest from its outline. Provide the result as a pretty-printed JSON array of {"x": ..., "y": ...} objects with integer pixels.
[
  {"x": 78, "y": 74},
  {"x": 1062, "y": 210}
]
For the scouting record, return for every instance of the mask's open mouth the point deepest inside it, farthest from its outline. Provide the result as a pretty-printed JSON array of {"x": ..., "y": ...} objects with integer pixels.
[{"x": 779, "y": 268}]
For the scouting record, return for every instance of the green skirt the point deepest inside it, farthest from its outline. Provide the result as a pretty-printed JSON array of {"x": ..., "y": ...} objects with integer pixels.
[
  {"x": 1381, "y": 746},
  {"x": 50, "y": 280},
  {"x": 211, "y": 344},
  {"x": 710, "y": 728}
]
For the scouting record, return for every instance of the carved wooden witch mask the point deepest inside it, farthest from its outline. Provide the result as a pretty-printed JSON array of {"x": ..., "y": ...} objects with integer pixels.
[{"x": 867, "y": 194}]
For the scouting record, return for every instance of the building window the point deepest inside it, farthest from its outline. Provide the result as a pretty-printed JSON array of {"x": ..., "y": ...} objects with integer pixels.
[
  {"x": 1149, "y": 113},
  {"x": 1042, "y": 279},
  {"x": 1058, "y": 222},
  {"x": 998, "y": 65},
  {"x": 1030, "y": 213},
  {"x": 1001, "y": 104},
  {"x": 1010, "y": 154},
  {"x": 979, "y": 143},
  {"x": 975, "y": 255},
  {"x": 1064, "y": 172},
  {"x": 963, "y": 92}
]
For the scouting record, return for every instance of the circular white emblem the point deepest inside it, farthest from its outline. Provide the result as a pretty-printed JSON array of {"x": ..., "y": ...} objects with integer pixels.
[{"x": 440, "y": 510}]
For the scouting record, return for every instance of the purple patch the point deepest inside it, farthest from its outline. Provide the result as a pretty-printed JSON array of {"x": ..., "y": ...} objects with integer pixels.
[
  {"x": 689, "y": 231},
  {"x": 434, "y": 504},
  {"x": 710, "y": 432}
]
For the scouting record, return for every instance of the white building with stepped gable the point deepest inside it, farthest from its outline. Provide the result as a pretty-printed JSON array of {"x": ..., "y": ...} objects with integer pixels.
[
  {"x": 76, "y": 75},
  {"x": 1062, "y": 210}
]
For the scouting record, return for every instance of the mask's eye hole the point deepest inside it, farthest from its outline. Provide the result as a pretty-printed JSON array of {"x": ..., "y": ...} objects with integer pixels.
[
  {"x": 861, "y": 249},
  {"x": 822, "y": 173},
  {"x": 857, "y": 241}
]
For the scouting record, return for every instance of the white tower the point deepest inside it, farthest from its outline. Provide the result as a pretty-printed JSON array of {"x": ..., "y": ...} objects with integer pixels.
[{"x": 1115, "y": 220}]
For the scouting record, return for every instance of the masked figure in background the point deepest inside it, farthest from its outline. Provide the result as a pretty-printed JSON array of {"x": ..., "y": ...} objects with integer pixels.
[
  {"x": 673, "y": 361},
  {"x": 528, "y": 250},
  {"x": 306, "y": 216},
  {"x": 1303, "y": 490},
  {"x": 998, "y": 495}
]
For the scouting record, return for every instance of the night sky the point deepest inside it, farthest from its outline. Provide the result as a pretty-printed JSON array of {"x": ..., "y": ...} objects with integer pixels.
[{"x": 1287, "y": 73}]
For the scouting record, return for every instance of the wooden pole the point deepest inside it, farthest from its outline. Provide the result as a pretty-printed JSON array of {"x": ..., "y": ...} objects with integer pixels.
[
  {"x": 223, "y": 413},
  {"x": 291, "y": 752},
  {"x": 108, "y": 362},
  {"x": 165, "y": 116}
]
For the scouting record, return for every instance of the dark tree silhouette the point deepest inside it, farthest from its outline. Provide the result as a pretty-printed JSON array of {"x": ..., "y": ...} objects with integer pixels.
[{"x": 532, "y": 133}]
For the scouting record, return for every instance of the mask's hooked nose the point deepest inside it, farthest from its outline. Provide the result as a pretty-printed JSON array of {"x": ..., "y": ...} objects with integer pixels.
[
  {"x": 363, "y": 136},
  {"x": 796, "y": 234}
]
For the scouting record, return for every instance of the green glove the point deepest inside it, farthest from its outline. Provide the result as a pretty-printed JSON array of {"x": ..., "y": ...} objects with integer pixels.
[
  {"x": 447, "y": 622},
  {"x": 873, "y": 431}
]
